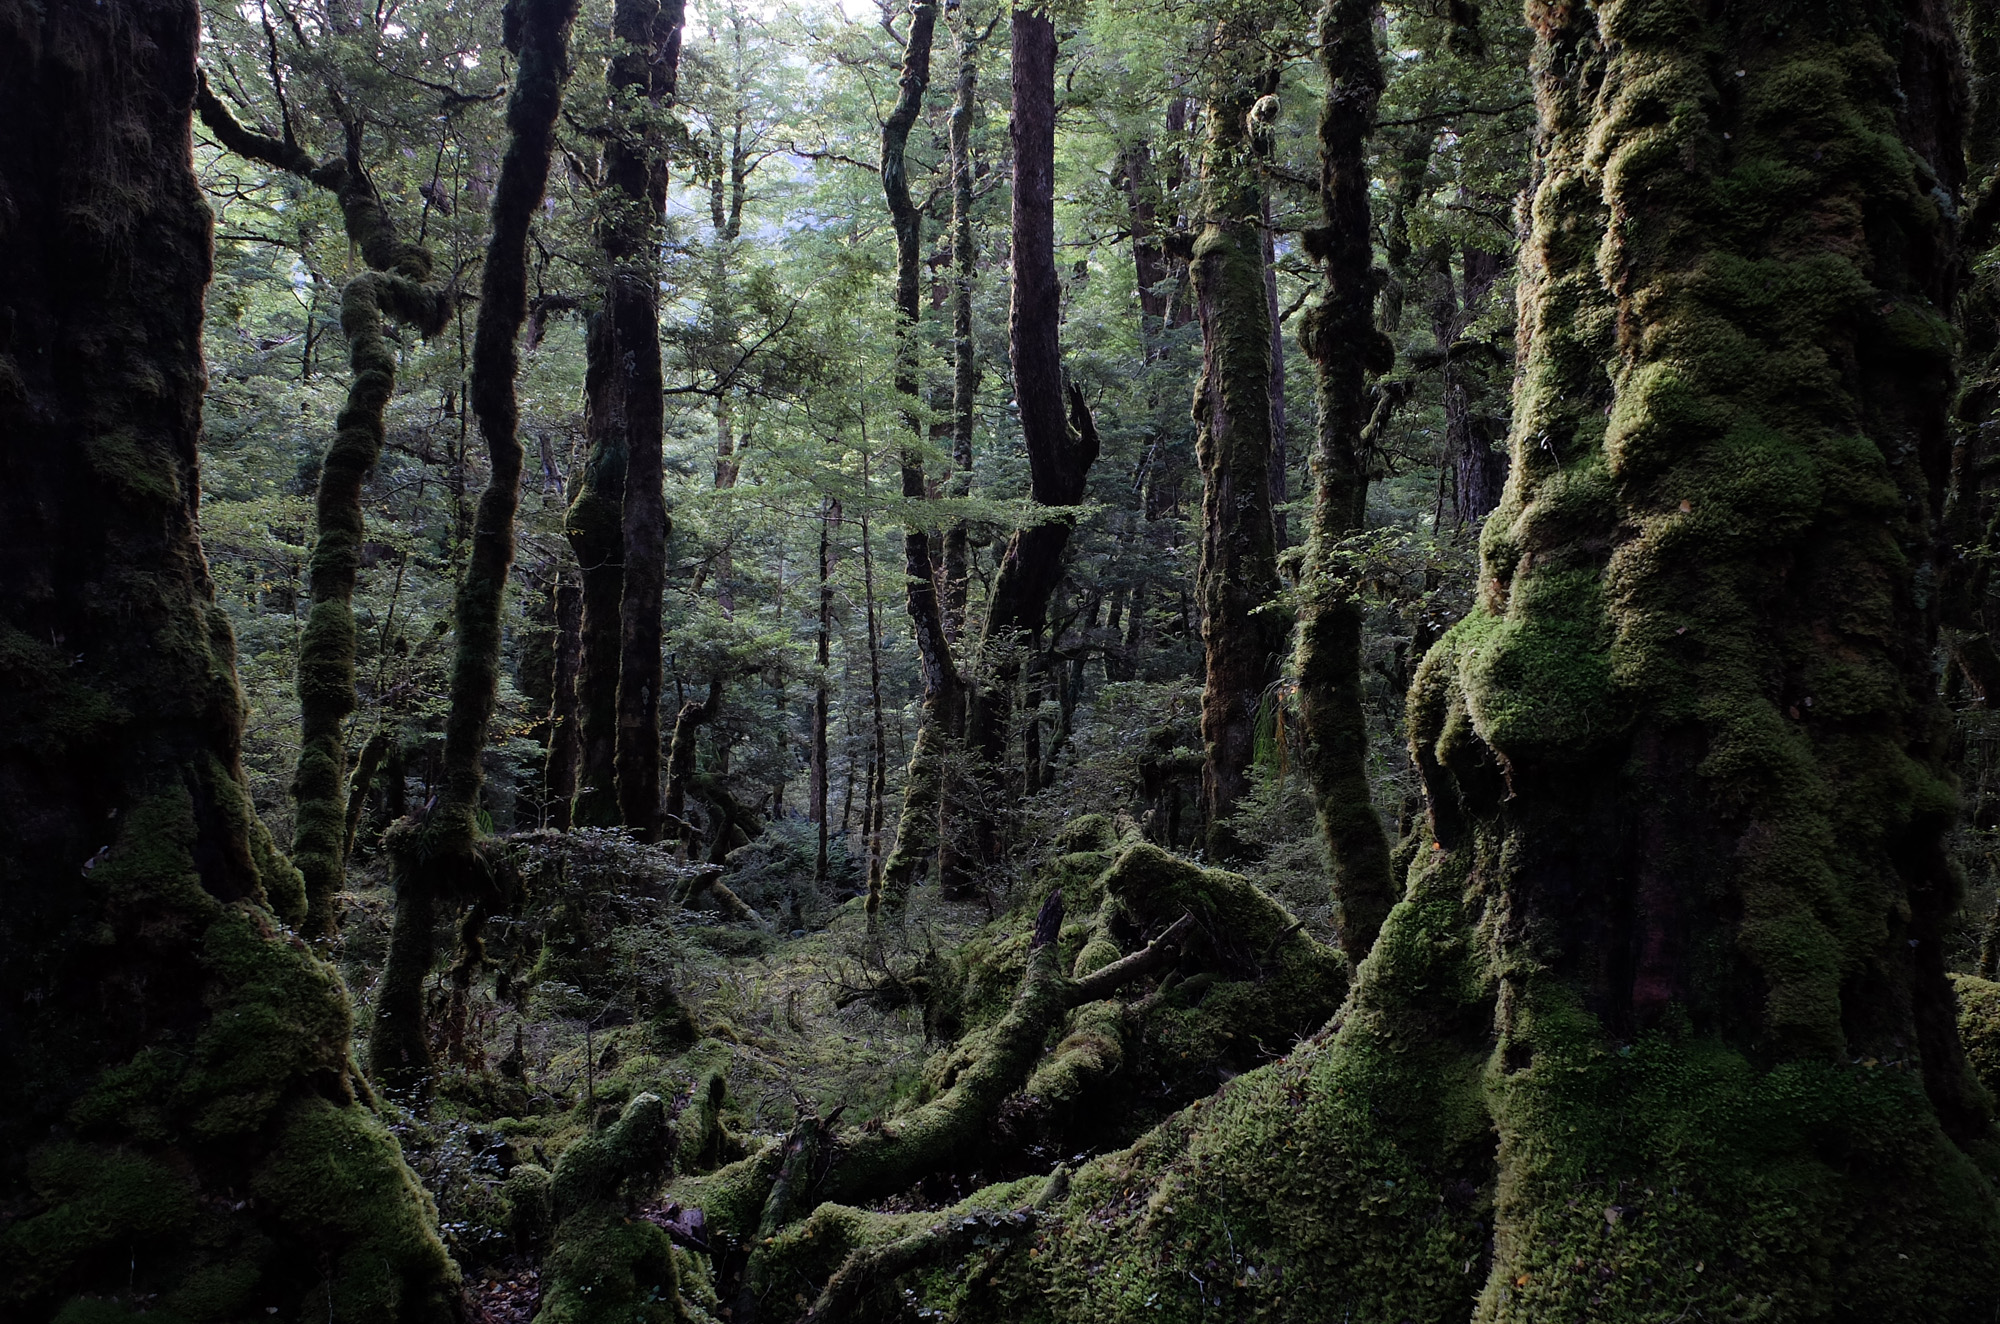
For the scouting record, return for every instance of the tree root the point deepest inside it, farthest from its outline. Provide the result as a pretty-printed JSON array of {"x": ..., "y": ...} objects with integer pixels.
[
  {"x": 866, "y": 1271},
  {"x": 880, "y": 1159}
]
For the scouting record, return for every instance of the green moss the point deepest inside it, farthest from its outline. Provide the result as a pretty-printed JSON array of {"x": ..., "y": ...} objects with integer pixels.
[
  {"x": 1979, "y": 1027},
  {"x": 337, "y": 1180},
  {"x": 1091, "y": 1049},
  {"x": 1538, "y": 679},
  {"x": 732, "y": 1197},
  {"x": 96, "y": 1201},
  {"x": 1681, "y": 1176},
  {"x": 529, "y": 1193},
  {"x": 610, "y": 1269},
  {"x": 606, "y": 1264}
]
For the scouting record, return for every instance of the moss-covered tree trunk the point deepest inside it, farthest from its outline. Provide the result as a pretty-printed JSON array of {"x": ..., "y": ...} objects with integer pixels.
[
  {"x": 439, "y": 854},
  {"x": 1337, "y": 333},
  {"x": 184, "y": 1127},
  {"x": 398, "y": 285},
  {"x": 957, "y": 558},
  {"x": 565, "y": 749},
  {"x": 594, "y": 525},
  {"x": 917, "y": 828},
  {"x": 1238, "y": 575},
  {"x": 1060, "y": 449},
  {"x": 1660, "y": 1028}
]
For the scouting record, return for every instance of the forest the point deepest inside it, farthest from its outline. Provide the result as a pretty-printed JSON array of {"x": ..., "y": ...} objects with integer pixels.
[{"x": 678, "y": 661}]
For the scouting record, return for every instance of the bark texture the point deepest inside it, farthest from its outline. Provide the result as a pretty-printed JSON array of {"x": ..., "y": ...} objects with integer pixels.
[
  {"x": 1060, "y": 448},
  {"x": 1242, "y": 637},
  {"x": 636, "y": 170},
  {"x": 184, "y": 1127},
  {"x": 917, "y": 828},
  {"x": 565, "y": 747},
  {"x": 1337, "y": 333}
]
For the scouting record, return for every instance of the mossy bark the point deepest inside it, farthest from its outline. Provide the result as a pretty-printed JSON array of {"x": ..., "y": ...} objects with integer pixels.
[
  {"x": 439, "y": 855},
  {"x": 1337, "y": 333},
  {"x": 185, "y": 1130},
  {"x": 399, "y": 285},
  {"x": 956, "y": 561},
  {"x": 1659, "y": 1027},
  {"x": 1237, "y": 579},
  {"x": 694, "y": 714},
  {"x": 594, "y": 525},
  {"x": 917, "y": 828},
  {"x": 565, "y": 748}
]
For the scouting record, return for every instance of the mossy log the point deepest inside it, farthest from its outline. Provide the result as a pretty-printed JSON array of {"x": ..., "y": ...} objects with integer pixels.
[{"x": 993, "y": 1063}]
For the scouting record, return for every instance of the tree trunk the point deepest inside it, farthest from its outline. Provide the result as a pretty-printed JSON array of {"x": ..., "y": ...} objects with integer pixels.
[
  {"x": 178, "y": 1076},
  {"x": 1280, "y": 458},
  {"x": 917, "y": 826},
  {"x": 1337, "y": 333},
  {"x": 440, "y": 855},
  {"x": 1660, "y": 1027},
  {"x": 595, "y": 529},
  {"x": 1060, "y": 451},
  {"x": 636, "y": 171},
  {"x": 1238, "y": 574},
  {"x": 565, "y": 749},
  {"x": 964, "y": 354},
  {"x": 694, "y": 715},
  {"x": 829, "y": 520},
  {"x": 397, "y": 286}
]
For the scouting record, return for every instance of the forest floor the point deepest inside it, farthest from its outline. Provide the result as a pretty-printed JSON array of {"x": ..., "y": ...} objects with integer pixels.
[{"x": 781, "y": 1004}]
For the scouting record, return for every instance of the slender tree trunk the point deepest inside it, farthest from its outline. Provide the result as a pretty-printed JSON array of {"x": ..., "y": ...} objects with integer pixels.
[
  {"x": 565, "y": 749},
  {"x": 878, "y": 763},
  {"x": 1238, "y": 574},
  {"x": 178, "y": 1068},
  {"x": 1150, "y": 269},
  {"x": 1280, "y": 459},
  {"x": 829, "y": 520},
  {"x": 694, "y": 715},
  {"x": 636, "y": 172},
  {"x": 595, "y": 529},
  {"x": 440, "y": 855},
  {"x": 917, "y": 826},
  {"x": 1060, "y": 450},
  {"x": 964, "y": 355},
  {"x": 1336, "y": 333}
]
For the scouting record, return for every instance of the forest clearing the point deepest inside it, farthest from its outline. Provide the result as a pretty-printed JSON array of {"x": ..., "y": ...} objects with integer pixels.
[{"x": 678, "y": 661}]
